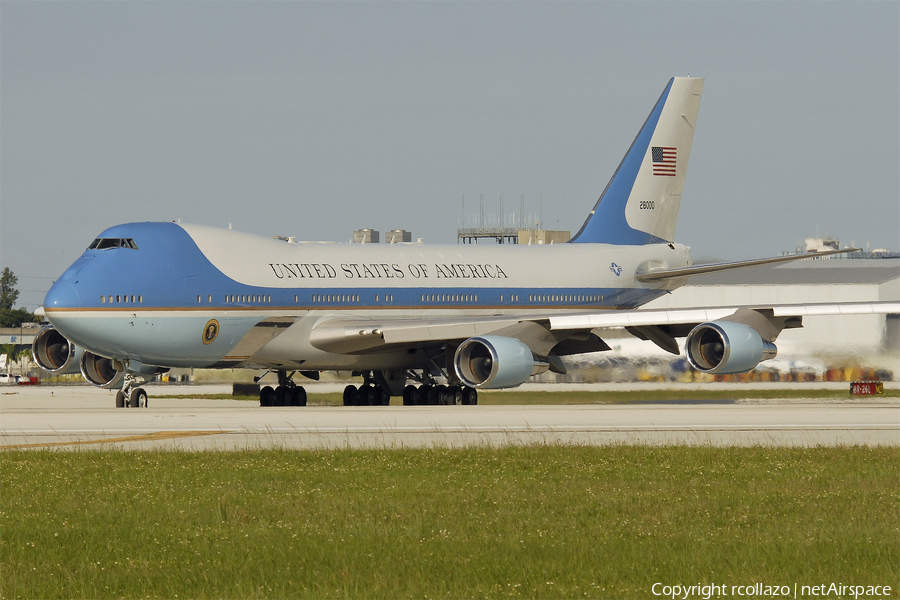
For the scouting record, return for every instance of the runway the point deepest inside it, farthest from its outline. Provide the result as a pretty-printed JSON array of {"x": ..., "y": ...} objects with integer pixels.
[{"x": 70, "y": 418}]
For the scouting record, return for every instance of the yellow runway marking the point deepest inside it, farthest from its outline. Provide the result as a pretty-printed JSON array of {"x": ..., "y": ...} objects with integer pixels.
[{"x": 150, "y": 437}]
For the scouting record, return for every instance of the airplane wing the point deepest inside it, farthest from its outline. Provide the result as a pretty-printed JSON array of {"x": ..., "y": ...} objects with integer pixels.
[{"x": 542, "y": 332}]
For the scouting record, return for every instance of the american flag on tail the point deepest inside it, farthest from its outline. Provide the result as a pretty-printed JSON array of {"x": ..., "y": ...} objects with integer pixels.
[{"x": 664, "y": 160}]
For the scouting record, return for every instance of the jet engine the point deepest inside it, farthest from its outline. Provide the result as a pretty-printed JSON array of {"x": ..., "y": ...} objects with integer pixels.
[
  {"x": 54, "y": 353},
  {"x": 722, "y": 347},
  {"x": 101, "y": 371},
  {"x": 492, "y": 362}
]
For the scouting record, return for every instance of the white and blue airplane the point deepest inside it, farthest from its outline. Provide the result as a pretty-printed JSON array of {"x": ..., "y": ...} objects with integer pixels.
[{"x": 146, "y": 297}]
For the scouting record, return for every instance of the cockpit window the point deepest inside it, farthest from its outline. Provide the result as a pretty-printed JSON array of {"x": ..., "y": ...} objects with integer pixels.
[{"x": 107, "y": 243}]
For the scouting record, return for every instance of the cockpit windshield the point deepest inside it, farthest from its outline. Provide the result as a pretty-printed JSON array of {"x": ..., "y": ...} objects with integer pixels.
[{"x": 107, "y": 243}]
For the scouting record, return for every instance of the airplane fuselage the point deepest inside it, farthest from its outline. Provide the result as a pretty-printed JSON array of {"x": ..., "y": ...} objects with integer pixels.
[{"x": 176, "y": 295}]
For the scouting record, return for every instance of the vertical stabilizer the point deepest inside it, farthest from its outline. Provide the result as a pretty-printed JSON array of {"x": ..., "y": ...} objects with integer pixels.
[{"x": 640, "y": 203}]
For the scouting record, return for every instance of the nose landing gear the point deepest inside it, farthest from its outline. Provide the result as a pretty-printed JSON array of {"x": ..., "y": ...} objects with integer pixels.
[{"x": 132, "y": 396}]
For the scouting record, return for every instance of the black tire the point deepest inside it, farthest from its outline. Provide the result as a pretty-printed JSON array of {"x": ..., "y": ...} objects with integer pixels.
[
  {"x": 267, "y": 396},
  {"x": 282, "y": 395},
  {"x": 443, "y": 396},
  {"x": 409, "y": 395},
  {"x": 456, "y": 395},
  {"x": 433, "y": 395},
  {"x": 138, "y": 398},
  {"x": 298, "y": 396},
  {"x": 469, "y": 396},
  {"x": 366, "y": 395},
  {"x": 350, "y": 393},
  {"x": 120, "y": 399}
]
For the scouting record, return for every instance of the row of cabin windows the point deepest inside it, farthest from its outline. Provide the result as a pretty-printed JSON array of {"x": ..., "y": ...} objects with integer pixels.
[
  {"x": 450, "y": 298},
  {"x": 243, "y": 298},
  {"x": 121, "y": 299},
  {"x": 564, "y": 298},
  {"x": 321, "y": 298},
  {"x": 318, "y": 298}
]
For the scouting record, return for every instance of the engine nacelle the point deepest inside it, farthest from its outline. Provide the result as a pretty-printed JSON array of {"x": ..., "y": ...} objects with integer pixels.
[
  {"x": 54, "y": 353},
  {"x": 492, "y": 362},
  {"x": 101, "y": 371},
  {"x": 722, "y": 347}
]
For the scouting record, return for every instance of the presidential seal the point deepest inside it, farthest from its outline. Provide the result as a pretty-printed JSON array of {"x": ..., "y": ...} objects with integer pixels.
[{"x": 210, "y": 331}]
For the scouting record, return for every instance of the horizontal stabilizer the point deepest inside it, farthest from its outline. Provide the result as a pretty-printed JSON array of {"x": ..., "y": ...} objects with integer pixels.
[
  {"x": 614, "y": 319},
  {"x": 663, "y": 274}
]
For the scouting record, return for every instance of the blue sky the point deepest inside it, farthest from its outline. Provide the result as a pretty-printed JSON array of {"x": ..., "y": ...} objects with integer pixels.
[{"x": 315, "y": 119}]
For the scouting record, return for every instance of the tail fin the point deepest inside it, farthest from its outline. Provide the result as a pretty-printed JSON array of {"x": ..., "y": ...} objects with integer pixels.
[{"x": 640, "y": 203}]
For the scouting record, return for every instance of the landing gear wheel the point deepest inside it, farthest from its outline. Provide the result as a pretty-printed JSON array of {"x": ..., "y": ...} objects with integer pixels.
[
  {"x": 138, "y": 398},
  {"x": 281, "y": 396},
  {"x": 267, "y": 396},
  {"x": 469, "y": 396},
  {"x": 456, "y": 395},
  {"x": 382, "y": 397},
  {"x": 443, "y": 398},
  {"x": 298, "y": 396},
  {"x": 366, "y": 396},
  {"x": 409, "y": 395},
  {"x": 120, "y": 399},
  {"x": 432, "y": 395},
  {"x": 350, "y": 394}
]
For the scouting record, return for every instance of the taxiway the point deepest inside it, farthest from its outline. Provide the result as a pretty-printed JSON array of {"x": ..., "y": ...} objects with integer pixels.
[{"x": 79, "y": 417}]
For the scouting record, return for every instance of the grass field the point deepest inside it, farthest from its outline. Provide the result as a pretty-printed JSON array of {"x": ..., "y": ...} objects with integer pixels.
[
  {"x": 513, "y": 397},
  {"x": 527, "y": 522}
]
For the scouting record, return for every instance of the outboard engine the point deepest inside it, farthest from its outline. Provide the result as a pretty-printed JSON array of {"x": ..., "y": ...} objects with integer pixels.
[
  {"x": 101, "y": 371},
  {"x": 493, "y": 362},
  {"x": 722, "y": 347},
  {"x": 54, "y": 353}
]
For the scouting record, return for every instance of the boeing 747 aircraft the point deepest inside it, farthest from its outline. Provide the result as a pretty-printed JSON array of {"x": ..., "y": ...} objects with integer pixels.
[{"x": 146, "y": 297}]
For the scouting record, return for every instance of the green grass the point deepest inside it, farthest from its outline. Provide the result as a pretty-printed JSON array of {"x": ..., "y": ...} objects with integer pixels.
[
  {"x": 524, "y": 522},
  {"x": 606, "y": 397}
]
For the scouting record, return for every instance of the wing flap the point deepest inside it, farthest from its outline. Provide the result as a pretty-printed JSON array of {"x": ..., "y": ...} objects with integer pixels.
[
  {"x": 638, "y": 318},
  {"x": 815, "y": 310}
]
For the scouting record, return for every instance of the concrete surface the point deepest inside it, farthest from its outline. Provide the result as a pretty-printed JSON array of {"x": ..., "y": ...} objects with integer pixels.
[{"x": 74, "y": 417}]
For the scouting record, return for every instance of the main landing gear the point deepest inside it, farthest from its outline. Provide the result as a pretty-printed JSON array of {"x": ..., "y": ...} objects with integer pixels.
[
  {"x": 424, "y": 395},
  {"x": 376, "y": 390},
  {"x": 287, "y": 393},
  {"x": 432, "y": 395}
]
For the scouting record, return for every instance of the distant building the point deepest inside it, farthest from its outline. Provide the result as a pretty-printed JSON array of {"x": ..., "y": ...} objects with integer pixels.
[
  {"x": 396, "y": 236},
  {"x": 365, "y": 236}
]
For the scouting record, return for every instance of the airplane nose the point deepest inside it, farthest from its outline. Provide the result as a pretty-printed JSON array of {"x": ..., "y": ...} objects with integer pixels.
[{"x": 62, "y": 295}]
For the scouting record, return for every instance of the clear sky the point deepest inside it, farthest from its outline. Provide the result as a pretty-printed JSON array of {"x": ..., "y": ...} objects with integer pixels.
[{"x": 315, "y": 119}]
